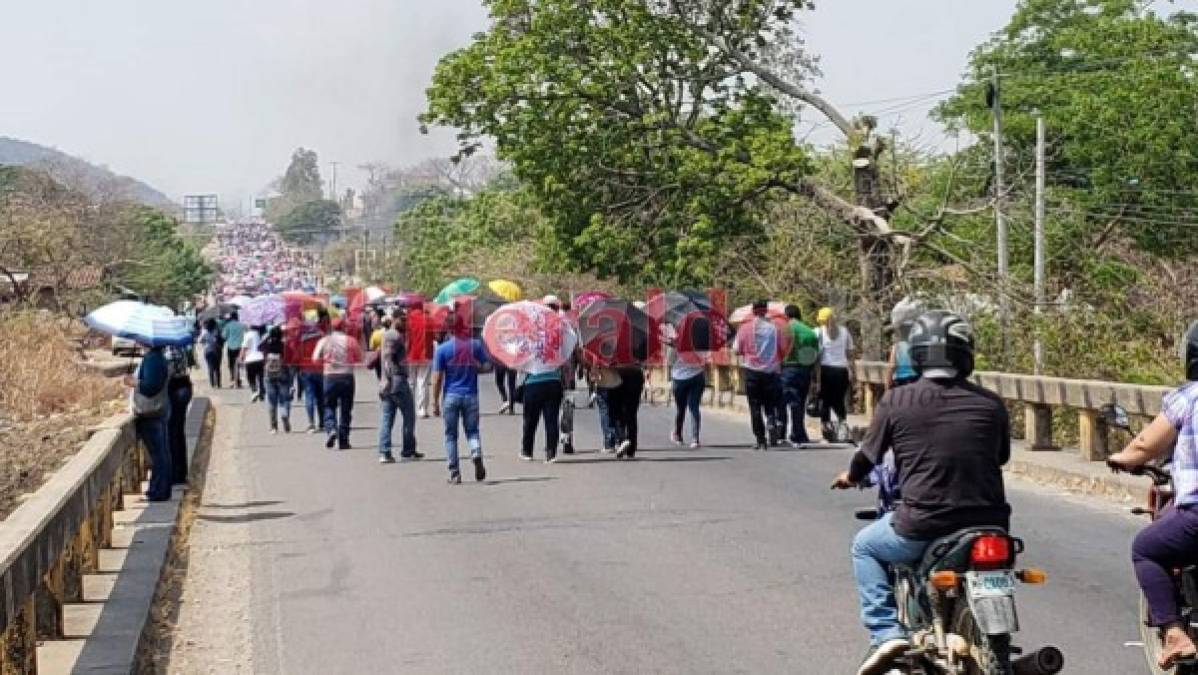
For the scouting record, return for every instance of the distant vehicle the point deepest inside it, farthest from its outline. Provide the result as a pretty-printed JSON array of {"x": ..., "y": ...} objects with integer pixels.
[{"x": 125, "y": 346}]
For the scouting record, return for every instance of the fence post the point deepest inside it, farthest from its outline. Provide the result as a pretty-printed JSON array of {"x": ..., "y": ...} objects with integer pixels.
[
  {"x": 1037, "y": 422},
  {"x": 18, "y": 643},
  {"x": 1092, "y": 436}
]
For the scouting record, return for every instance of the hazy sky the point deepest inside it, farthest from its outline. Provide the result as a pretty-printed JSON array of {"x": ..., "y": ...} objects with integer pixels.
[{"x": 213, "y": 95}]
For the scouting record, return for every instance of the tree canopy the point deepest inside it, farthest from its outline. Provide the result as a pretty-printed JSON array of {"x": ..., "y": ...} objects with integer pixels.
[{"x": 308, "y": 221}]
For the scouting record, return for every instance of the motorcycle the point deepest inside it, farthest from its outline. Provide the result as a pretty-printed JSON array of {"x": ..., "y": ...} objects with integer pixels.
[
  {"x": 958, "y": 601},
  {"x": 1160, "y": 499}
]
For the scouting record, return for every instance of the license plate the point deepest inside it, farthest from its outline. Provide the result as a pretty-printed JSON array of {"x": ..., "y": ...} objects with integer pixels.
[{"x": 990, "y": 584}]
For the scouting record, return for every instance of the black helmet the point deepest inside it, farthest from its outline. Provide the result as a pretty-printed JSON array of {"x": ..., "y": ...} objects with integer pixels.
[
  {"x": 941, "y": 341},
  {"x": 1189, "y": 351}
]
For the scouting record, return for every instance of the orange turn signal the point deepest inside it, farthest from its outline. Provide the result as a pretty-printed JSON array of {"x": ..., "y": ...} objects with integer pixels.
[
  {"x": 1032, "y": 575},
  {"x": 945, "y": 580}
]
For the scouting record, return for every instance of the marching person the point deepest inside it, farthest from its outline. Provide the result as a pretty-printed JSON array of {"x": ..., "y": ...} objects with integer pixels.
[
  {"x": 796, "y": 376},
  {"x": 395, "y": 392},
  {"x": 688, "y": 381},
  {"x": 757, "y": 346},
  {"x": 151, "y": 407},
  {"x": 233, "y": 333},
  {"x": 211, "y": 341},
  {"x": 456, "y": 364},
  {"x": 179, "y": 362},
  {"x": 338, "y": 352},
  {"x": 420, "y": 351},
  {"x": 251, "y": 359},
  {"x": 624, "y": 402},
  {"x": 277, "y": 377},
  {"x": 835, "y": 375}
]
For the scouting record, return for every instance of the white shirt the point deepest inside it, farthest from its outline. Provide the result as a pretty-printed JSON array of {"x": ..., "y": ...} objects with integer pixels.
[
  {"x": 835, "y": 353},
  {"x": 250, "y": 346}
]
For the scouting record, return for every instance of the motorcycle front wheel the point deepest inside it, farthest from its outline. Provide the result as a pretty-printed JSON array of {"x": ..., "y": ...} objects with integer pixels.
[{"x": 991, "y": 654}]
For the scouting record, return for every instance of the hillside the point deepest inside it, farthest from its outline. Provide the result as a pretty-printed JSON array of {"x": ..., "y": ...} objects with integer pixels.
[{"x": 80, "y": 174}]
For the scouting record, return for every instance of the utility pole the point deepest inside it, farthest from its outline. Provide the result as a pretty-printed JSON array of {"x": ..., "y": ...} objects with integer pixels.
[
  {"x": 333, "y": 189},
  {"x": 1000, "y": 220},
  {"x": 1038, "y": 263}
]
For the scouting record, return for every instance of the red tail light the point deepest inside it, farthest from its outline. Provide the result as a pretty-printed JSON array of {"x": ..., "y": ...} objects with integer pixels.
[{"x": 990, "y": 551}]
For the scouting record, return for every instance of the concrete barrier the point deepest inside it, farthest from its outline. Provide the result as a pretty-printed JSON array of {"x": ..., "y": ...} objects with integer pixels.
[{"x": 1039, "y": 395}]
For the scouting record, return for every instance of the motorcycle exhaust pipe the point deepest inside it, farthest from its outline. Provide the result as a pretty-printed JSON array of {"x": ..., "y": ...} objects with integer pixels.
[{"x": 1044, "y": 661}]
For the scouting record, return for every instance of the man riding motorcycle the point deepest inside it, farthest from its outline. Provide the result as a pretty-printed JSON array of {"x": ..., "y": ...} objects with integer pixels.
[
  {"x": 1171, "y": 541},
  {"x": 950, "y": 439}
]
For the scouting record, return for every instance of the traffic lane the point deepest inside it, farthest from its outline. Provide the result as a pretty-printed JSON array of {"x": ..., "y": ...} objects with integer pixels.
[{"x": 710, "y": 561}]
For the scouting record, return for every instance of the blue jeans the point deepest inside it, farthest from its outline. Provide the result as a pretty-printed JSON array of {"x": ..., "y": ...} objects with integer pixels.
[
  {"x": 278, "y": 398},
  {"x": 152, "y": 432},
  {"x": 606, "y": 429},
  {"x": 688, "y": 395},
  {"x": 796, "y": 382},
  {"x": 338, "y": 394},
  {"x": 466, "y": 408},
  {"x": 875, "y": 548},
  {"x": 401, "y": 401},
  {"x": 313, "y": 388}
]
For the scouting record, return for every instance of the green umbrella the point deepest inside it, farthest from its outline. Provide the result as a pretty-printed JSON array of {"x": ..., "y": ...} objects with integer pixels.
[{"x": 463, "y": 286}]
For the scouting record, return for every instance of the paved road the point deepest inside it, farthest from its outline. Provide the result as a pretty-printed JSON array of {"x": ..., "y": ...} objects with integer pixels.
[{"x": 712, "y": 561}]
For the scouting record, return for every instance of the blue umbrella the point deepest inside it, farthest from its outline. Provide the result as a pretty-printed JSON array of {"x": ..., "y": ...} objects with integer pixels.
[{"x": 146, "y": 324}]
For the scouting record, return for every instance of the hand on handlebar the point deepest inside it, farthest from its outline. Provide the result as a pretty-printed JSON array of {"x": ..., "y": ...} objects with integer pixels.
[
  {"x": 843, "y": 482},
  {"x": 1119, "y": 464}
]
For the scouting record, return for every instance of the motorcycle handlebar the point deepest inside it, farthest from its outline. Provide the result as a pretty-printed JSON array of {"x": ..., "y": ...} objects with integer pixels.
[{"x": 1158, "y": 475}]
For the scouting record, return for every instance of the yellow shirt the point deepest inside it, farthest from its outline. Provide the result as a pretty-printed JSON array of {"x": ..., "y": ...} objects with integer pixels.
[{"x": 376, "y": 339}]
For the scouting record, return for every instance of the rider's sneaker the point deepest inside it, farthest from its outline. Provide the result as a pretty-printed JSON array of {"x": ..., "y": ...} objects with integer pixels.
[{"x": 881, "y": 657}]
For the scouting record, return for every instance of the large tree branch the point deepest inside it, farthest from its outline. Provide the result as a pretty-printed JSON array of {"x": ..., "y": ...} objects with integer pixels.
[{"x": 860, "y": 216}]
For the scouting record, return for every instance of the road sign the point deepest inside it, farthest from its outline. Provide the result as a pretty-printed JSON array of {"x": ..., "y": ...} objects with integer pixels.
[{"x": 201, "y": 209}]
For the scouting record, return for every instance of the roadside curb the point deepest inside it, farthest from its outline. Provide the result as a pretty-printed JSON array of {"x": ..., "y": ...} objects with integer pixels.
[{"x": 105, "y": 632}]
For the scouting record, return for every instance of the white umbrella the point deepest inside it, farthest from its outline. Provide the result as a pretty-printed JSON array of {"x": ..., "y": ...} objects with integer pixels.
[
  {"x": 240, "y": 300},
  {"x": 374, "y": 293},
  {"x": 147, "y": 324}
]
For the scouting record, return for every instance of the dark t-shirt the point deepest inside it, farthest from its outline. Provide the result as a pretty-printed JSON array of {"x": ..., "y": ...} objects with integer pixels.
[{"x": 950, "y": 440}]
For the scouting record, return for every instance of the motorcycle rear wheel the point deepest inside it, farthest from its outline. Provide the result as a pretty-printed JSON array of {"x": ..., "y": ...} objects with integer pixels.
[{"x": 991, "y": 653}]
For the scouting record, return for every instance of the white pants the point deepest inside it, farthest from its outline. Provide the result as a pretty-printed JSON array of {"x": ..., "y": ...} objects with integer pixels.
[{"x": 420, "y": 374}]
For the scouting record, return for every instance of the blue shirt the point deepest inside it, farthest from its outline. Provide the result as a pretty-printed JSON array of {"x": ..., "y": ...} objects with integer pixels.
[
  {"x": 1180, "y": 407},
  {"x": 234, "y": 333},
  {"x": 904, "y": 370},
  {"x": 459, "y": 359}
]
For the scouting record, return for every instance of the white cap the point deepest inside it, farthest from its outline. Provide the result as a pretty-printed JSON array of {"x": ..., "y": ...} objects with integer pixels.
[{"x": 551, "y": 299}]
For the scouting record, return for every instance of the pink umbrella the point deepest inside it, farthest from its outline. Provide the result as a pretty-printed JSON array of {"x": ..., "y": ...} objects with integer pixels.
[
  {"x": 529, "y": 337},
  {"x": 583, "y": 299},
  {"x": 775, "y": 310}
]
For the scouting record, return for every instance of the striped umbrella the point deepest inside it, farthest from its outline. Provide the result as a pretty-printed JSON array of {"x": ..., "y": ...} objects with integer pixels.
[{"x": 146, "y": 324}]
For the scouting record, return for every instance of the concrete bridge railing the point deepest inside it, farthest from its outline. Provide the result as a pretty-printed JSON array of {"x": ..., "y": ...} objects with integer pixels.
[
  {"x": 52, "y": 539},
  {"x": 1040, "y": 396}
]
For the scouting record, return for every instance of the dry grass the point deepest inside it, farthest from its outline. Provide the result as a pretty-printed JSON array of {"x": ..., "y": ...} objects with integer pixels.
[
  {"x": 47, "y": 402},
  {"x": 39, "y": 376}
]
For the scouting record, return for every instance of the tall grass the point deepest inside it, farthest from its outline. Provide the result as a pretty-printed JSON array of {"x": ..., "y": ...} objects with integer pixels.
[{"x": 39, "y": 375}]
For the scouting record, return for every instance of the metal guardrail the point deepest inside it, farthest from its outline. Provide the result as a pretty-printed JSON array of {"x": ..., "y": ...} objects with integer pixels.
[{"x": 52, "y": 539}]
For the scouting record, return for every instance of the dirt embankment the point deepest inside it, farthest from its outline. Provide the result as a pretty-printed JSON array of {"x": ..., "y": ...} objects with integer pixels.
[{"x": 47, "y": 401}]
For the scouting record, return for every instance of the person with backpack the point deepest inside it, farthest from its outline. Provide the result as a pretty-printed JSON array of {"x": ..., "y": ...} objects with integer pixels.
[
  {"x": 211, "y": 341},
  {"x": 277, "y": 378},
  {"x": 179, "y": 363},
  {"x": 150, "y": 404}
]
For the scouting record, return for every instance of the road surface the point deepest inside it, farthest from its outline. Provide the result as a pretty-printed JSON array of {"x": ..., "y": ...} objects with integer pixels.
[{"x": 718, "y": 560}]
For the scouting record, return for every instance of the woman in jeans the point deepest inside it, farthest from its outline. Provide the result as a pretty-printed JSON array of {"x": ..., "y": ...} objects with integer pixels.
[
  {"x": 278, "y": 378},
  {"x": 688, "y": 380},
  {"x": 835, "y": 369}
]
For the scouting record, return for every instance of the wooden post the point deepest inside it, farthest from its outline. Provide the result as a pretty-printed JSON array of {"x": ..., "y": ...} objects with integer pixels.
[
  {"x": 18, "y": 643},
  {"x": 1092, "y": 436},
  {"x": 1037, "y": 422},
  {"x": 89, "y": 556},
  {"x": 872, "y": 394}
]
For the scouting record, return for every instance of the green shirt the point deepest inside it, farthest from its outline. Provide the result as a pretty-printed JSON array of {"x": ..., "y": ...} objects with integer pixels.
[{"x": 804, "y": 347}]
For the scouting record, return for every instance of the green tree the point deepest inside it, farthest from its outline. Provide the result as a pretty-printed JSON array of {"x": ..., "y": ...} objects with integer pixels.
[
  {"x": 1116, "y": 85},
  {"x": 167, "y": 270},
  {"x": 300, "y": 184},
  {"x": 310, "y": 221}
]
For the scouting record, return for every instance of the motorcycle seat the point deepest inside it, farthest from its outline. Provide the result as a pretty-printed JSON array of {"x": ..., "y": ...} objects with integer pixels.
[{"x": 947, "y": 552}]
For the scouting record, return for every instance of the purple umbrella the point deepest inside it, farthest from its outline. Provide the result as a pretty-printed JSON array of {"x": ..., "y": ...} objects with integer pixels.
[{"x": 263, "y": 310}]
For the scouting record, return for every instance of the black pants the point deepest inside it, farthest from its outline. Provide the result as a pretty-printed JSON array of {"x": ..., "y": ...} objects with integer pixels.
[
  {"x": 253, "y": 375},
  {"x": 234, "y": 367},
  {"x": 179, "y": 391},
  {"x": 833, "y": 391},
  {"x": 505, "y": 382},
  {"x": 541, "y": 400},
  {"x": 624, "y": 403},
  {"x": 213, "y": 361},
  {"x": 764, "y": 391}
]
